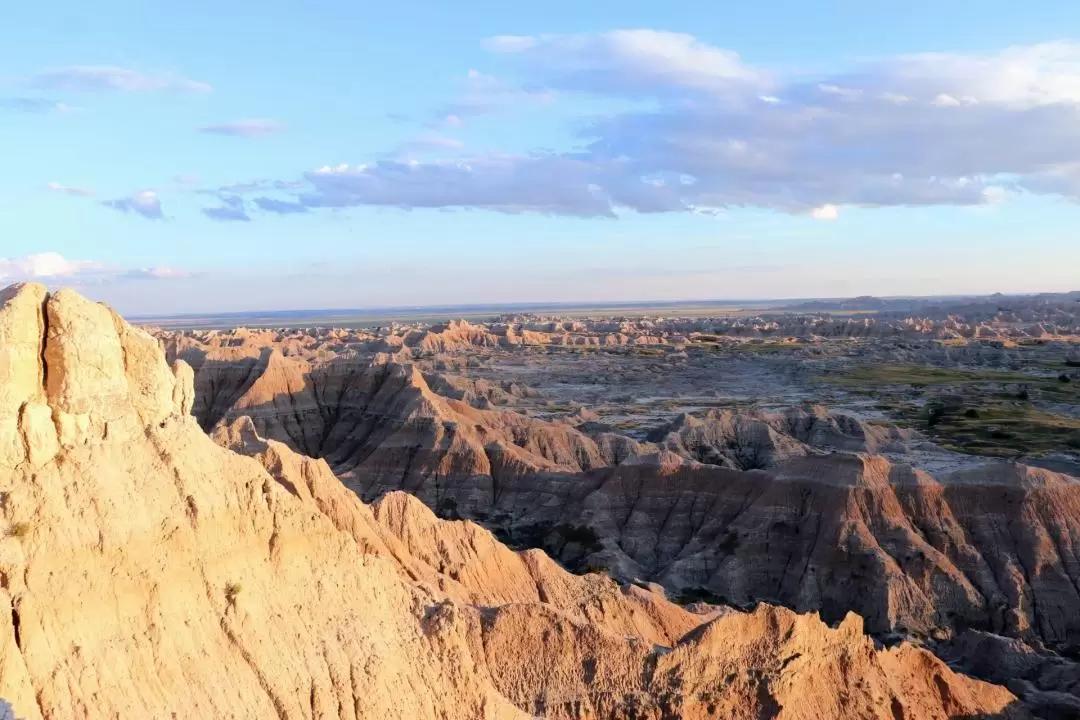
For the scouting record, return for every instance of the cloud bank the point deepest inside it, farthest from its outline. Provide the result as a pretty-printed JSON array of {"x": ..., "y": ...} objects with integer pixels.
[{"x": 709, "y": 131}]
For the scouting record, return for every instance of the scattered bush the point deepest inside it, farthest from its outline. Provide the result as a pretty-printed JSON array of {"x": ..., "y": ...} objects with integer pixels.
[
  {"x": 583, "y": 535},
  {"x": 232, "y": 591},
  {"x": 19, "y": 530},
  {"x": 1064, "y": 378},
  {"x": 448, "y": 509},
  {"x": 971, "y": 413},
  {"x": 692, "y": 595}
]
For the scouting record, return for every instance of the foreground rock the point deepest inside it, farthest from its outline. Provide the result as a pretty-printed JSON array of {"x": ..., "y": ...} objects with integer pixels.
[{"x": 150, "y": 573}]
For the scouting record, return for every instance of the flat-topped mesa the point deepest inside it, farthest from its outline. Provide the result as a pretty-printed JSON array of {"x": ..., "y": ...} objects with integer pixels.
[{"x": 72, "y": 370}]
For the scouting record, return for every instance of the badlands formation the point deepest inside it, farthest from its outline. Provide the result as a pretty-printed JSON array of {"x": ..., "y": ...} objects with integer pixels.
[{"x": 187, "y": 534}]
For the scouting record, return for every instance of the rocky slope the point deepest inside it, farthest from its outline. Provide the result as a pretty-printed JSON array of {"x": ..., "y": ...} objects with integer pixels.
[
  {"x": 151, "y": 573},
  {"x": 821, "y": 522}
]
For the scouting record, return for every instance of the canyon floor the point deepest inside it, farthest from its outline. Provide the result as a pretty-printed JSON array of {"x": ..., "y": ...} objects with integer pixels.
[{"x": 862, "y": 509}]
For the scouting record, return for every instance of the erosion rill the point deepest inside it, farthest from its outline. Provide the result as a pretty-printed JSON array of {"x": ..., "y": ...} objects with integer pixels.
[
  {"x": 807, "y": 508},
  {"x": 153, "y": 573}
]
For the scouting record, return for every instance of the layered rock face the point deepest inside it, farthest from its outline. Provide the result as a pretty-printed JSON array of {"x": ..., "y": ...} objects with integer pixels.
[
  {"x": 793, "y": 508},
  {"x": 147, "y": 572}
]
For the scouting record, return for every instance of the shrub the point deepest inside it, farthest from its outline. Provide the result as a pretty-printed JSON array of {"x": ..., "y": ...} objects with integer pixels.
[
  {"x": 232, "y": 591},
  {"x": 19, "y": 530}
]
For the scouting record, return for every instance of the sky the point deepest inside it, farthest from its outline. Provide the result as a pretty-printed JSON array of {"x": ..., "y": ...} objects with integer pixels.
[{"x": 208, "y": 156}]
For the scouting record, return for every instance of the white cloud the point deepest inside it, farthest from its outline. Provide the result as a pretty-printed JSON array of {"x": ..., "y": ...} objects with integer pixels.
[
  {"x": 145, "y": 203},
  {"x": 158, "y": 272},
  {"x": 962, "y": 130},
  {"x": 245, "y": 128},
  {"x": 945, "y": 100},
  {"x": 43, "y": 265},
  {"x": 632, "y": 62},
  {"x": 73, "y": 191},
  {"x": 510, "y": 43},
  {"x": 50, "y": 266},
  {"x": 103, "y": 78},
  {"x": 1017, "y": 77}
]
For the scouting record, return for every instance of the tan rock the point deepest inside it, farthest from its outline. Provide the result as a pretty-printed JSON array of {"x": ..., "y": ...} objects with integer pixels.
[{"x": 148, "y": 572}]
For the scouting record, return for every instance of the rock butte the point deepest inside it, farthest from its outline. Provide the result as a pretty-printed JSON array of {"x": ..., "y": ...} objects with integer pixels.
[{"x": 151, "y": 573}]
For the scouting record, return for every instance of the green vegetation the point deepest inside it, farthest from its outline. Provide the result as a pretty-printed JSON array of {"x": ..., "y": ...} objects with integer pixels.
[
  {"x": 995, "y": 427},
  {"x": 767, "y": 348},
  {"x": 447, "y": 509},
  {"x": 982, "y": 412},
  {"x": 583, "y": 535},
  {"x": 922, "y": 376},
  {"x": 689, "y": 596}
]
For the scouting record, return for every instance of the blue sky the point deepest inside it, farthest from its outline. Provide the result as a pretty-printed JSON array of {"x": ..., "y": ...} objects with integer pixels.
[{"x": 201, "y": 156}]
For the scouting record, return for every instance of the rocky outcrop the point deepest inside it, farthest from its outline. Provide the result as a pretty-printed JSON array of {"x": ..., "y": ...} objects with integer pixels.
[
  {"x": 148, "y": 572},
  {"x": 822, "y": 525},
  {"x": 760, "y": 440}
]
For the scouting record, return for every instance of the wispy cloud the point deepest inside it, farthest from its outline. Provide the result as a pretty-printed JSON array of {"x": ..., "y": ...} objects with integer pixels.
[
  {"x": 227, "y": 213},
  {"x": 244, "y": 128},
  {"x": 251, "y": 186},
  {"x": 145, "y": 203},
  {"x": 68, "y": 190},
  {"x": 483, "y": 94},
  {"x": 427, "y": 142},
  {"x": 447, "y": 121},
  {"x": 107, "y": 78},
  {"x": 158, "y": 272},
  {"x": 35, "y": 105},
  {"x": 186, "y": 180},
  {"x": 281, "y": 207},
  {"x": 52, "y": 266},
  {"x": 631, "y": 62}
]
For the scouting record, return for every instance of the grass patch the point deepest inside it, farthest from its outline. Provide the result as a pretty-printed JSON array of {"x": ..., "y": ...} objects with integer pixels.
[
  {"x": 981, "y": 412},
  {"x": 996, "y": 426},
  {"x": 767, "y": 348},
  {"x": 689, "y": 596},
  {"x": 923, "y": 376}
]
